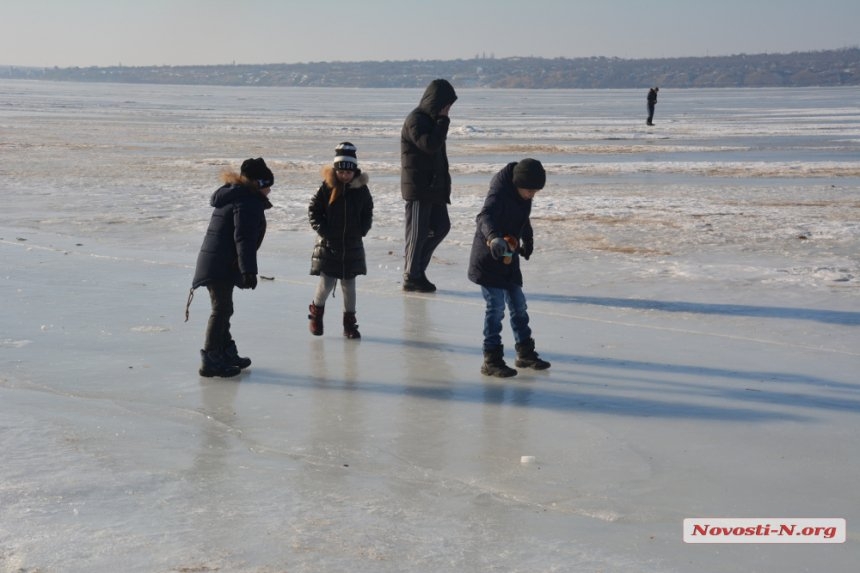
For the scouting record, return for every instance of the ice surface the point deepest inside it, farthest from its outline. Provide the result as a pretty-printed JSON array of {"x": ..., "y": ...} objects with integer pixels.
[{"x": 703, "y": 332}]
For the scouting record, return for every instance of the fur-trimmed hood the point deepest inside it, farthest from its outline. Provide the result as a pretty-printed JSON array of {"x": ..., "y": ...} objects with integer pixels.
[
  {"x": 230, "y": 193},
  {"x": 330, "y": 178}
]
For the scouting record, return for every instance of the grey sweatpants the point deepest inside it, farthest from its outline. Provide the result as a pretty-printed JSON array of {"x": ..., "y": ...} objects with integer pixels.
[{"x": 326, "y": 286}]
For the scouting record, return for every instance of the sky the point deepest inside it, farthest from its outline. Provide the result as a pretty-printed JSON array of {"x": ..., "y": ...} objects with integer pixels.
[{"x": 83, "y": 33}]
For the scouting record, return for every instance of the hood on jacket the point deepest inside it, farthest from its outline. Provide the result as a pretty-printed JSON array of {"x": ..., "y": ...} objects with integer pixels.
[
  {"x": 439, "y": 93},
  {"x": 227, "y": 194},
  {"x": 330, "y": 178}
]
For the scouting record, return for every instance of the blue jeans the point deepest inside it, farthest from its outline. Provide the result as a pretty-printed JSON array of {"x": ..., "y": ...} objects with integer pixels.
[{"x": 496, "y": 299}]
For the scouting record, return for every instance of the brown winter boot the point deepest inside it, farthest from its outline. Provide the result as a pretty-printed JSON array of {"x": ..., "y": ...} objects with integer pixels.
[
  {"x": 350, "y": 327},
  {"x": 494, "y": 364},
  {"x": 316, "y": 319}
]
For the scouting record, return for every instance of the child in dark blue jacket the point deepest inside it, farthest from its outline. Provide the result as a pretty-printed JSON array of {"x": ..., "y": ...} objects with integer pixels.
[
  {"x": 503, "y": 235},
  {"x": 228, "y": 259}
]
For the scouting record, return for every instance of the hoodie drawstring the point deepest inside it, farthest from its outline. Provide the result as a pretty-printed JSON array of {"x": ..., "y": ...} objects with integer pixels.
[{"x": 188, "y": 304}]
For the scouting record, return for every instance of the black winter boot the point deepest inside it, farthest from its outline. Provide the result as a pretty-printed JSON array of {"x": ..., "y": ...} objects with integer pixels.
[
  {"x": 231, "y": 355},
  {"x": 494, "y": 364},
  {"x": 350, "y": 327},
  {"x": 316, "y": 319},
  {"x": 528, "y": 358},
  {"x": 213, "y": 363},
  {"x": 421, "y": 284}
]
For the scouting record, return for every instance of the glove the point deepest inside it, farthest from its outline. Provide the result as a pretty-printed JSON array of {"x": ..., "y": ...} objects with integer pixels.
[
  {"x": 249, "y": 280},
  {"x": 527, "y": 248},
  {"x": 498, "y": 247}
]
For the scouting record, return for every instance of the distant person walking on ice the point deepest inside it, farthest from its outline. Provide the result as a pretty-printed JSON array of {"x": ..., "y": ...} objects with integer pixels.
[
  {"x": 503, "y": 235},
  {"x": 652, "y": 102},
  {"x": 228, "y": 258},
  {"x": 425, "y": 182},
  {"x": 341, "y": 212}
]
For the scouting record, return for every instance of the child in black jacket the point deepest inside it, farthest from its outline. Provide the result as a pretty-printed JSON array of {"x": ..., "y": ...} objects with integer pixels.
[
  {"x": 341, "y": 212},
  {"x": 228, "y": 259},
  {"x": 503, "y": 235}
]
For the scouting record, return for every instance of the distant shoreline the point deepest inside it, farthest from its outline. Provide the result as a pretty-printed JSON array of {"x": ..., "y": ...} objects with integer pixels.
[{"x": 828, "y": 68}]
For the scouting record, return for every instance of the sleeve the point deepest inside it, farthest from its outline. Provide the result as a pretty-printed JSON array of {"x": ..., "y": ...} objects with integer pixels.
[
  {"x": 527, "y": 240},
  {"x": 246, "y": 233},
  {"x": 317, "y": 212},
  {"x": 367, "y": 214},
  {"x": 488, "y": 217},
  {"x": 427, "y": 134}
]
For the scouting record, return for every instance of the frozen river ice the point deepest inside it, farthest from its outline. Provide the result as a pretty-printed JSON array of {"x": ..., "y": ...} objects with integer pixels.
[{"x": 694, "y": 286}]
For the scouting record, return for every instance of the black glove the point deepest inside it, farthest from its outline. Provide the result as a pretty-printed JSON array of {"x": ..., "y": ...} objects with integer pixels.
[
  {"x": 527, "y": 247},
  {"x": 498, "y": 247},
  {"x": 249, "y": 280}
]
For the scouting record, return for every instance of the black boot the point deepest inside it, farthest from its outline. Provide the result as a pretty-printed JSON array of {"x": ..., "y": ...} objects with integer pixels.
[
  {"x": 350, "y": 327},
  {"x": 427, "y": 284},
  {"x": 213, "y": 363},
  {"x": 421, "y": 284},
  {"x": 231, "y": 355},
  {"x": 528, "y": 358},
  {"x": 494, "y": 364},
  {"x": 316, "y": 319}
]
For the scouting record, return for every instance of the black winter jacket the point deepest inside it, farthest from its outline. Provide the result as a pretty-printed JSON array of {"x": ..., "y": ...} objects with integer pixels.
[
  {"x": 236, "y": 231},
  {"x": 340, "y": 226},
  {"x": 504, "y": 213},
  {"x": 424, "y": 172},
  {"x": 652, "y": 96}
]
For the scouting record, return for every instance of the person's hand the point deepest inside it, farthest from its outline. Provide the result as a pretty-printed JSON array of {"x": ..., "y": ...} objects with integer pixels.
[
  {"x": 527, "y": 248},
  {"x": 249, "y": 280},
  {"x": 498, "y": 247}
]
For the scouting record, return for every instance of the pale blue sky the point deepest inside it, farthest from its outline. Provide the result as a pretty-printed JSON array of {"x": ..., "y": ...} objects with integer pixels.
[{"x": 178, "y": 32}]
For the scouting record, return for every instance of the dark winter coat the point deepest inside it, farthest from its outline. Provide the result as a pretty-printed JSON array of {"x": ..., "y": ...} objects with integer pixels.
[
  {"x": 504, "y": 213},
  {"x": 424, "y": 172},
  {"x": 340, "y": 226},
  {"x": 652, "y": 97},
  {"x": 236, "y": 231}
]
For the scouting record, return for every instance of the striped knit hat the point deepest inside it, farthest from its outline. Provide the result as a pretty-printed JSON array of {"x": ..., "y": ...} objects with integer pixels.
[{"x": 344, "y": 157}]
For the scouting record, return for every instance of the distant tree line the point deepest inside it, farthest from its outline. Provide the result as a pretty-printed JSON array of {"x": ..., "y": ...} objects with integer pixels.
[{"x": 799, "y": 69}]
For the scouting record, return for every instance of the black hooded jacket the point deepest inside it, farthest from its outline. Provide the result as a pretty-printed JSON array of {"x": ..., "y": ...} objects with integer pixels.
[
  {"x": 505, "y": 212},
  {"x": 652, "y": 97},
  {"x": 424, "y": 172},
  {"x": 340, "y": 226},
  {"x": 236, "y": 231}
]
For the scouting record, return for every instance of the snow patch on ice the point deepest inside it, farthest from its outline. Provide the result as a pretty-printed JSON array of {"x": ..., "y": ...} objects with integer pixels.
[
  {"x": 10, "y": 343},
  {"x": 150, "y": 329}
]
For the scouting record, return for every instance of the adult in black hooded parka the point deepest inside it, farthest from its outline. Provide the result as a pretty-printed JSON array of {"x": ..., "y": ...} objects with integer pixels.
[{"x": 425, "y": 182}]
